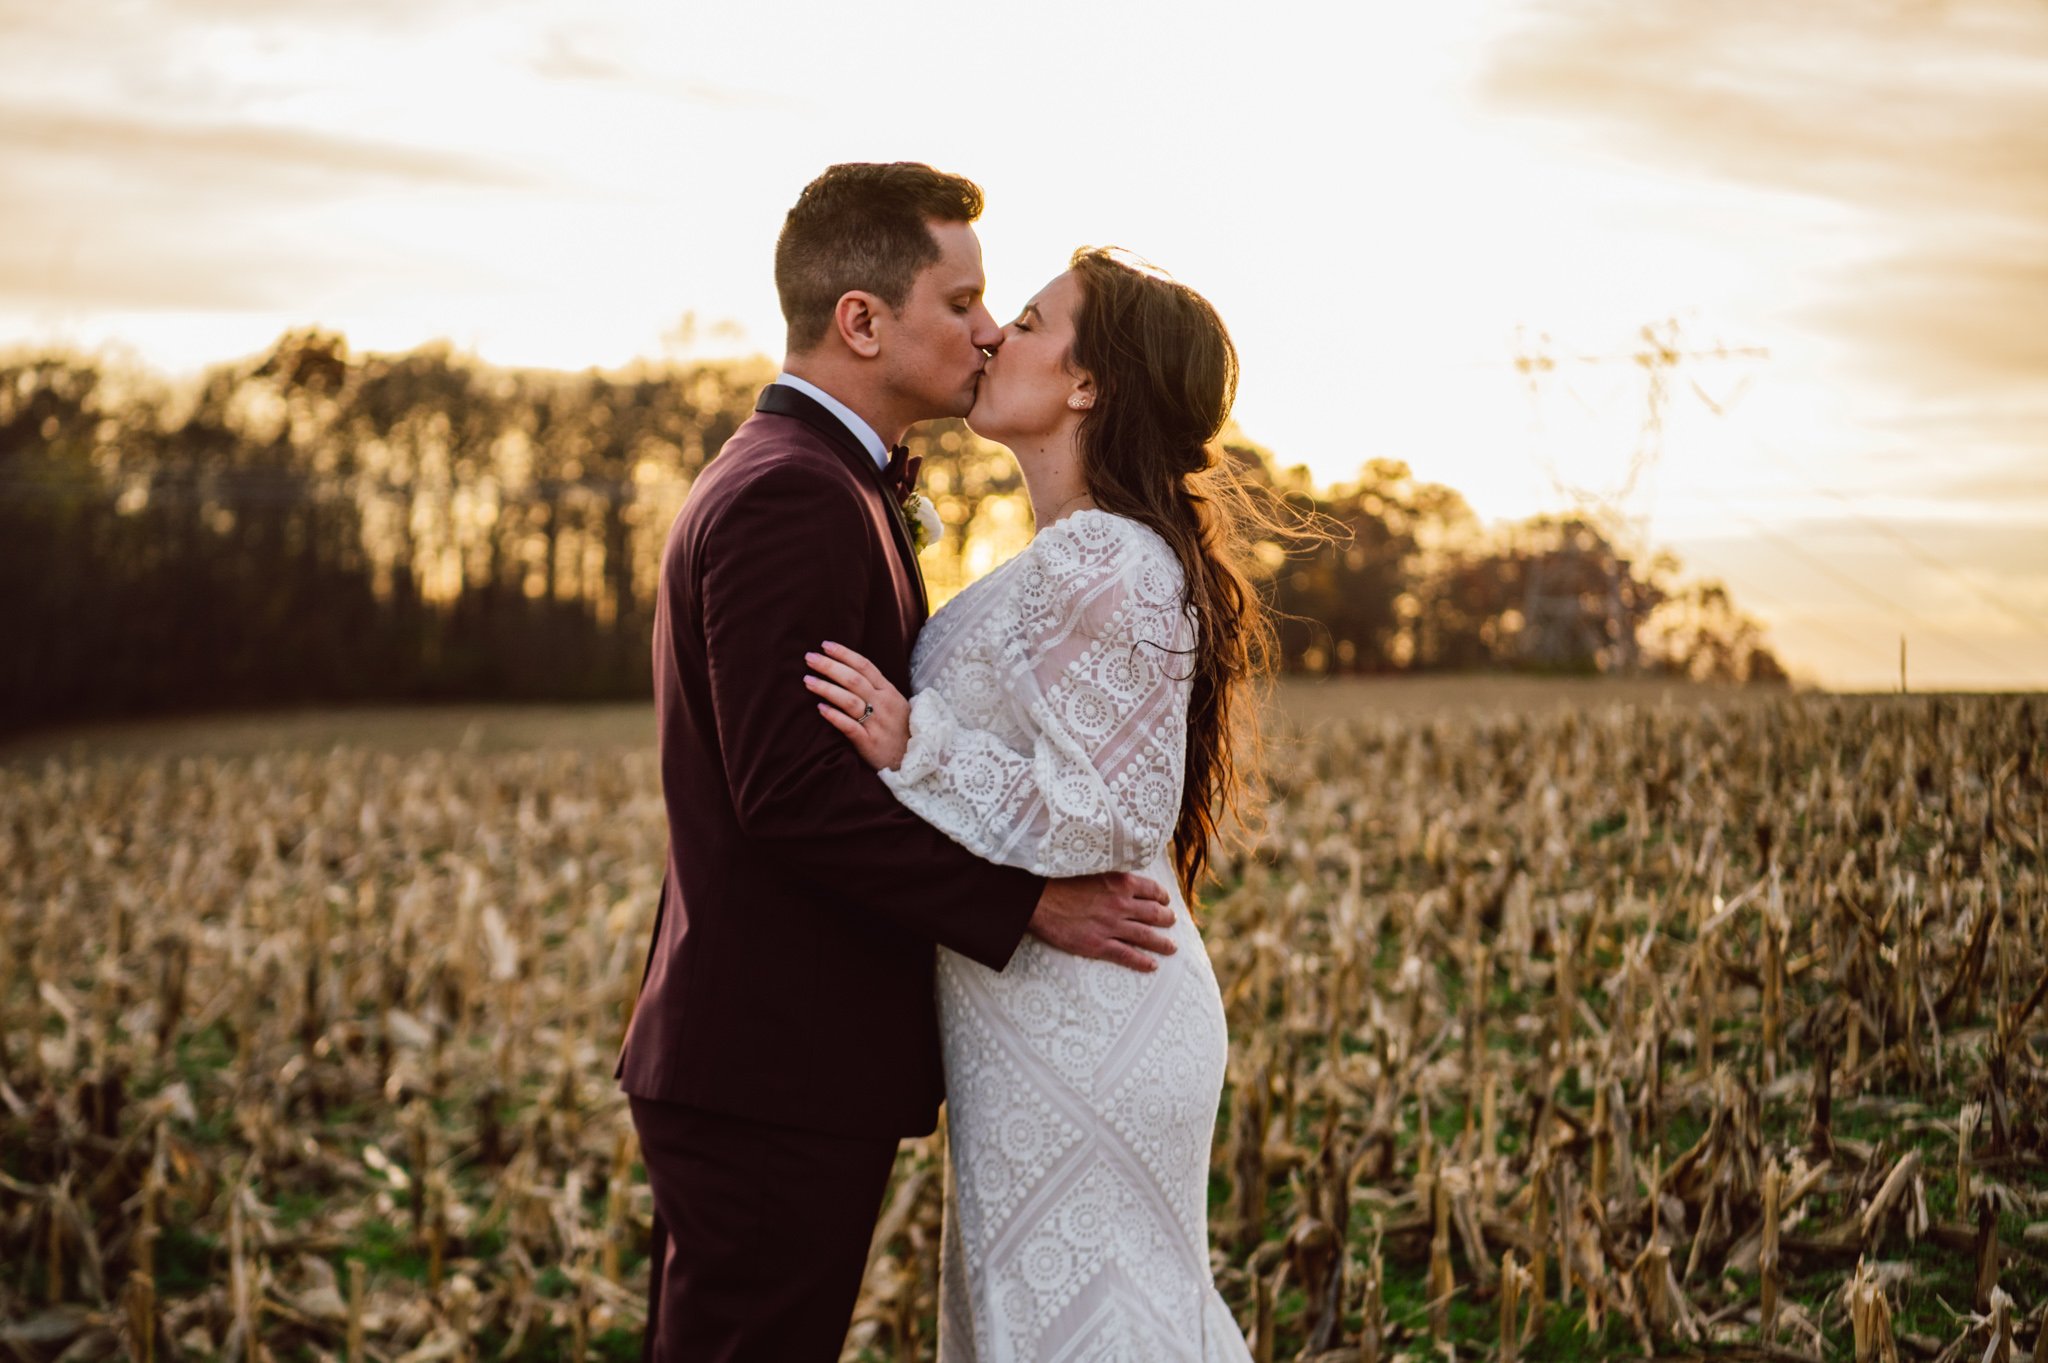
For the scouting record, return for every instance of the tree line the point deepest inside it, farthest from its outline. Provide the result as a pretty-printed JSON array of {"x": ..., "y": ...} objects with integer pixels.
[{"x": 310, "y": 525}]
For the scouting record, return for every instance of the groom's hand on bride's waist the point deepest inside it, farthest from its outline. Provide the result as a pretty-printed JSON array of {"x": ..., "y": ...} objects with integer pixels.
[{"x": 1112, "y": 917}]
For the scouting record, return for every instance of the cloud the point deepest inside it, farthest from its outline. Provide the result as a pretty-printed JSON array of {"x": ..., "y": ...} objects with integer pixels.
[
  {"x": 583, "y": 55},
  {"x": 568, "y": 56},
  {"x": 130, "y": 213},
  {"x": 1928, "y": 120},
  {"x": 379, "y": 14},
  {"x": 1948, "y": 317},
  {"x": 52, "y": 260},
  {"x": 254, "y": 156},
  {"x": 61, "y": 261},
  {"x": 2003, "y": 486}
]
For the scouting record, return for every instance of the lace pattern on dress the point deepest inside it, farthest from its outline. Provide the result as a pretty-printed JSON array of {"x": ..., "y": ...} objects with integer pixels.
[
  {"x": 1058, "y": 741},
  {"x": 1048, "y": 730}
]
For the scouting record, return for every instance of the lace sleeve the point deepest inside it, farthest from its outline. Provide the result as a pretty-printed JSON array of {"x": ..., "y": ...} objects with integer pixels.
[{"x": 1094, "y": 661}]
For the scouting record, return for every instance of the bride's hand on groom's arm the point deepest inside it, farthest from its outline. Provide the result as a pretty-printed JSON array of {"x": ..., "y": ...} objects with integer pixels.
[
  {"x": 1111, "y": 917},
  {"x": 856, "y": 699}
]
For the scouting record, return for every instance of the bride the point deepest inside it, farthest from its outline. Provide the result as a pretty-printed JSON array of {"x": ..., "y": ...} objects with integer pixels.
[{"x": 1074, "y": 713}]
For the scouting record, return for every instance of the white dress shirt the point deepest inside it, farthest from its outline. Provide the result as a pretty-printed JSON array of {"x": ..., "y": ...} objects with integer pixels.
[{"x": 862, "y": 432}]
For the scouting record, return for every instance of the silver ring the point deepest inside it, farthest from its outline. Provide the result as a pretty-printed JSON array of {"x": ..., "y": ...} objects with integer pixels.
[{"x": 870, "y": 709}]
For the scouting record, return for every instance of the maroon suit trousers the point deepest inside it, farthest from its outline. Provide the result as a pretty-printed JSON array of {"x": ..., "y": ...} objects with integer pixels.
[{"x": 767, "y": 1232}]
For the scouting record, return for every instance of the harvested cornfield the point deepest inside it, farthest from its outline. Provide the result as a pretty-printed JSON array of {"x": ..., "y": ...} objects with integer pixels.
[
  {"x": 1673, "y": 1029},
  {"x": 313, "y": 1054},
  {"x": 1644, "y": 1030}
]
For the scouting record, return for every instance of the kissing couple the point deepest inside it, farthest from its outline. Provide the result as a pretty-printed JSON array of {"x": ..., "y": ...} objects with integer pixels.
[{"x": 915, "y": 858}]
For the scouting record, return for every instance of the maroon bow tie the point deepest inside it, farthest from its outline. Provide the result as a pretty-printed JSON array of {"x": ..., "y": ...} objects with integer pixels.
[{"x": 901, "y": 475}]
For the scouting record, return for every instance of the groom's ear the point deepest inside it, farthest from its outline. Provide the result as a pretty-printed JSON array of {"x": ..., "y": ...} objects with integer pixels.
[{"x": 854, "y": 319}]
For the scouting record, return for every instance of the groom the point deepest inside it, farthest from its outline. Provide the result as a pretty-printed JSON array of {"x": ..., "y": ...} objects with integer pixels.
[{"x": 785, "y": 1036}]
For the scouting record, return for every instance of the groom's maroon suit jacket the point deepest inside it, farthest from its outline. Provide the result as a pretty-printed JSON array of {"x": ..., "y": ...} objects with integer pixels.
[{"x": 790, "y": 976}]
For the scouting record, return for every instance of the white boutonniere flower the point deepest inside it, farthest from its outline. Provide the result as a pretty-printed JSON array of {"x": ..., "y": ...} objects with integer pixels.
[{"x": 926, "y": 529}]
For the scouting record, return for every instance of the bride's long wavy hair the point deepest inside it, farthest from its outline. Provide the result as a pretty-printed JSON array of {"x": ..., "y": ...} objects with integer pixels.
[{"x": 1165, "y": 375}]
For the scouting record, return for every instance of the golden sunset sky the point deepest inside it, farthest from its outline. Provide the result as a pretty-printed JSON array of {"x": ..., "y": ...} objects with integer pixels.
[{"x": 1387, "y": 204}]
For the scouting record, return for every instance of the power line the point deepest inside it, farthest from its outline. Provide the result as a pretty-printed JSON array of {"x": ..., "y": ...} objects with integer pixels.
[
  {"x": 1925, "y": 556},
  {"x": 1749, "y": 592},
  {"x": 1828, "y": 570}
]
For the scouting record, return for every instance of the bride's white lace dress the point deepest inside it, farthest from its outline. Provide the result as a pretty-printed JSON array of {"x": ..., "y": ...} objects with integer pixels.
[{"x": 1049, "y": 731}]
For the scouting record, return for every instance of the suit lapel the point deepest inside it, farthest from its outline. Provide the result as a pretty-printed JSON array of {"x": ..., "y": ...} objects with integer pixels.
[{"x": 779, "y": 399}]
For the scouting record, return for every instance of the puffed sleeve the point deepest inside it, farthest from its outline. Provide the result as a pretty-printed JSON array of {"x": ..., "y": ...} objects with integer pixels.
[{"x": 1094, "y": 663}]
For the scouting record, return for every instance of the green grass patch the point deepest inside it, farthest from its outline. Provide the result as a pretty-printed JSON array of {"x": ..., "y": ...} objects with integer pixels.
[
  {"x": 386, "y": 1248},
  {"x": 186, "y": 1260},
  {"x": 1607, "y": 826}
]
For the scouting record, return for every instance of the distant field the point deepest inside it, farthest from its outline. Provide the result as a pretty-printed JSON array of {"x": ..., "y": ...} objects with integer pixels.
[
  {"x": 1478, "y": 697},
  {"x": 615, "y": 727},
  {"x": 392, "y": 729}
]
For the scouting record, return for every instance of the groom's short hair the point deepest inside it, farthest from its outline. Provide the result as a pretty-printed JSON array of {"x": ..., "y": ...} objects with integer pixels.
[{"x": 863, "y": 226}]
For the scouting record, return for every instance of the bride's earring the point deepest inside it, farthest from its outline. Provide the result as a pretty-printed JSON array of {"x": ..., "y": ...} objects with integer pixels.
[{"x": 1080, "y": 403}]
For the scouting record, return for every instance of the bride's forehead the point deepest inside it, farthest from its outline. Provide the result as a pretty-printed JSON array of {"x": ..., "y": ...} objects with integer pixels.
[{"x": 1058, "y": 295}]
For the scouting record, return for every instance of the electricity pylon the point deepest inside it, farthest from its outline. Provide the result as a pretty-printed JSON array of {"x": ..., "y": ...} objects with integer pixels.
[{"x": 1554, "y": 614}]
